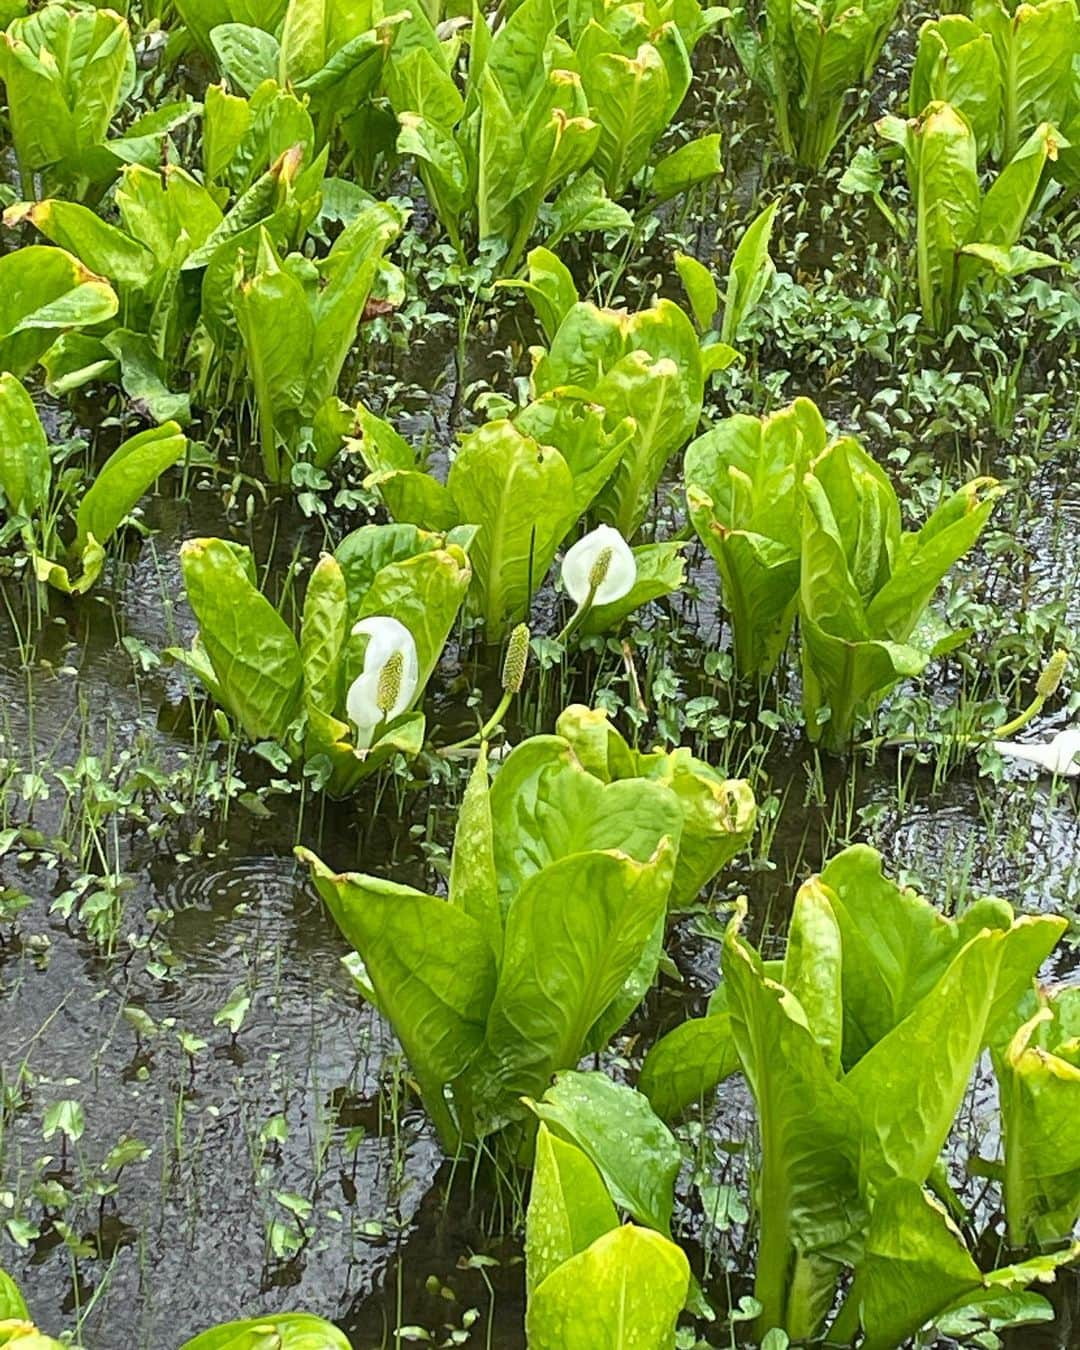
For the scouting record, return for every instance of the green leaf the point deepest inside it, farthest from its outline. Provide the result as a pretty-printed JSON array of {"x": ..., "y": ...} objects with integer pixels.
[
  {"x": 42, "y": 291},
  {"x": 810, "y": 1197},
  {"x": 282, "y": 1331},
  {"x": 633, "y": 1150},
  {"x": 750, "y": 272},
  {"x": 254, "y": 655},
  {"x": 545, "y": 807},
  {"x": 569, "y": 1207},
  {"x": 12, "y": 1304},
  {"x": 142, "y": 377},
  {"x": 429, "y": 963},
  {"x": 324, "y": 630},
  {"x": 743, "y": 481},
  {"x": 695, "y": 162},
  {"x": 1039, "y": 1084},
  {"x": 516, "y": 491},
  {"x": 473, "y": 884},
  {"x": 66, "y": 1118},
  {"x": 627, "y": 1288},
  {"x": 247, "y": 55},
  {"x": 683, "y": 1067},
  {"x": 100, "y": 246},
  {"x": 125, "y": 476},
  {"x": 25, "y": 463},
  {"x": 582, "y": 206},
  {"x": 549, "y": 287},
  {"x": 574, "y": 934},
  {"x": 701, "y": 289}
]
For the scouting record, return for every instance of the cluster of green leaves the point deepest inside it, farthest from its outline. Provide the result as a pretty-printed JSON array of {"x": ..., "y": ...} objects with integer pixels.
[
  {"x": 1006, "y": 72},
  {"x": 66, "y": 73},
  {"x": 173, "y": 260},
  {"x": 297, "y": 321},
  {"x": 523, "y": 483},
  {"x": 807, "y": 55},
  {"x": 799, "y": 523},
  {"x": 39, "y": 509},
  {"x": 561, "y": 876},
  {"x": 282, "y": 1331},
  {"x": 963, "y": 231},
  {"x": 542, "y": 115},
  {"x": 331, "y": 56},
  {"x": 292, "y": 692},
  {"x": 858, "y": 1047}
]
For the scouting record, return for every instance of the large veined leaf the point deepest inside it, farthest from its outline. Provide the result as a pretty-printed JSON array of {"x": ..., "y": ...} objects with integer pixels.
[
  {"x": 569, "y": 1207},
  {"x": 545, "y": 807},
  {"x": 324, "y": 630},
  {"x": 255, "y": 657},
  {"x": 897, "y": 946},
  {"x": 916, "y": 1267},
  {"x": 627, "y": 1288},
  {"x": 42, "y": 292},
  {"x": 573, "y": 935},
  {"x": 909, "y": 1085},
  {"x": 810, "y": 1198},
  {"x": 25, "y": 464},
  {"x": 103, "y": 248},
  {"x": 430, "y": 965},
  {"x": 947, "y": 206},
  {"x": 635, "y": 1153},
  {"x": 1039, "y": 1083},
  {"x": 282, "y": 1331},
  {"x": 474, "y": 887}
]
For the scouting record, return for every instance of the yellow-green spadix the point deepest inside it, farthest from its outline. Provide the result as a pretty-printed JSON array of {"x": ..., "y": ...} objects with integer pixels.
[
  {"x": 387, "y": 684},
  {"x": 599, "y": 569}
]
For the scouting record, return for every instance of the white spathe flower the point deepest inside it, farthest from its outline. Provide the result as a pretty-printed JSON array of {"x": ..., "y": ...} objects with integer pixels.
[
  {"x": 387, "y": 684},
  {"x": 1057, "y": 756},
  {"x": 600, "y": 567}
]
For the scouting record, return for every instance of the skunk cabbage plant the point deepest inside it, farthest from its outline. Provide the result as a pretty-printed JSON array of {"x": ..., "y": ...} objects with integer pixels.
[
  {"x": 331, "y": 56},
  {"x": 1038, "y": 1072},
  {"x": 524, "y": 484},
  {"x": 592, "y": 1282},
  {"x": 962, "y": 231},
  {"x": 173, "y": 260},
  {"x": 858, "y": 1047},
  {"x": 807, "y": 55},
  {"x": 865, "y": 583},
  {"x": 66, "y": 72},
  {"x": 297, "y": 321},
  {"x": 552, "y": 932},
  {"x": 1006, "y": 72},
  {"x": 634, "y": 61},
  {"x": 744, "y": 495},
  {"x": 38, "y": 508},
  {"x": 341, "y": 699},
  {"x": 649, "y": 367}
]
